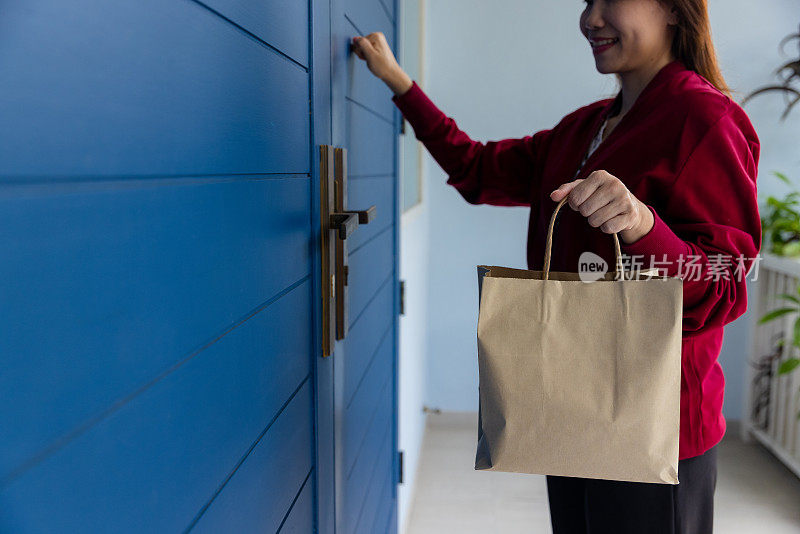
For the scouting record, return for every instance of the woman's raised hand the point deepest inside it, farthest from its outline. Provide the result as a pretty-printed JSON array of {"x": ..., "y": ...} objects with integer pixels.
[{"x": 381, "y": 61}]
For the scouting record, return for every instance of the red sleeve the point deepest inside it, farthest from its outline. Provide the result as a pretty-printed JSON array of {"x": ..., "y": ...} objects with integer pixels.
[
  {"x": 714, "y": 231},
  {"x": 500, "y": 173}
]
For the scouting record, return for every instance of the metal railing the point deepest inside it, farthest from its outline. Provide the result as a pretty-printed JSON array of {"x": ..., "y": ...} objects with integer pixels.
[{"x": 772, "y": 401}]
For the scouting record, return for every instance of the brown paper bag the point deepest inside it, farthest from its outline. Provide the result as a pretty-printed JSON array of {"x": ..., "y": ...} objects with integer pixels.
[{"x": 579, "y": 378}]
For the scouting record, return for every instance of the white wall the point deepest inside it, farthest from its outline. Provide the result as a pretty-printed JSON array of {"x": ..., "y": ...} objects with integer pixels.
[
  {"x": 413, "y": 337},
  {"x": 414, "y": 231},
  {"x": 509, "y": 68}
]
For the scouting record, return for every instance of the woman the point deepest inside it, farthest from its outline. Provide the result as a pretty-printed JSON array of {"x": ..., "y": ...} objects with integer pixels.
[{"x": 670, "y": 163}]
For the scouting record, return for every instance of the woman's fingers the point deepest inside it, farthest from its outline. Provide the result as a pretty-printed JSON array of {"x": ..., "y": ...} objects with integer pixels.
[
  {"x": 610, "y": 216},
  {"x": 368, "y": 45},
  {"x": 375, "y": 50},
  {"x": 357, "y": 48},
  {"x": 602, "y": 198},
  {"x": 608, "y": 204},
  {"x": 564, "y": 190},
  {"x": 365, "y": 47},
  {"x": 378, "y": 41}
]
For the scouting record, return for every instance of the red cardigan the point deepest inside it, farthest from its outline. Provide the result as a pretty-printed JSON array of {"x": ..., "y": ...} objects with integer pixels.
[{"x": 684, "y": 149}]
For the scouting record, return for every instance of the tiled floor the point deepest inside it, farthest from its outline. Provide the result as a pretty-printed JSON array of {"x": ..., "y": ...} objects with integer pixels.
[{"x": 755, "y": 493}]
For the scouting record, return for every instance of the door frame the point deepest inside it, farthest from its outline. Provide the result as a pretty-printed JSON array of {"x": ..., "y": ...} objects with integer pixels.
[{"x": 321, "y": 134}]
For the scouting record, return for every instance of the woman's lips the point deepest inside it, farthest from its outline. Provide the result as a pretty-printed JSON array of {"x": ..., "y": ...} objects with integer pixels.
[{"x": 597, "y": 49}]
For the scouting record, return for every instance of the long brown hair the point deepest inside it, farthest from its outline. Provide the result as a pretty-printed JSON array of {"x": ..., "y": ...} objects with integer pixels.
[{"x": 692, "y": 42}]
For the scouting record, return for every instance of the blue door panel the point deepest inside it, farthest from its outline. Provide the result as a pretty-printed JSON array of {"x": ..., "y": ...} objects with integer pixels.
[
  {"x": 366, "y": 132},
  {"x": 390, "y": 527},
  {"x": 384, "y": 507},
  {"x": 365, "y": 478},
  {"x": 145, "y": 87},
  {"x": 370, "y": 267},
  {"x": 160, "y": 275},
  {"x": 389, "y": 7},
  {"x": 155, "y": 462},
  {"x": 372, "y": 94},
  {"x": 371, "y": 16},
  {"x": 362, "y": 408},
  {"x": 368, "y": 191},
  {"x": 369, "y": 336},
  {"x": 260, "y": 493},
  {"x": 300, "y": 519},
  {"x": 378, "y": 501},
  {"x": 364, "y": 120},
  {"x": 366, "y": 89},
  {"x": 282, "y": 24},
  {"x": 113, "y": 285}
]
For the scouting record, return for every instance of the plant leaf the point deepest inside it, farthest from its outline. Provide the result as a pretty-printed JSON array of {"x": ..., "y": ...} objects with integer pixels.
[
  {"x": 791, "y": 249},
  {"x": 787, "y": 39},
  {"x": 783, "y": 177},
  {"x": 796, "y": 341},
  {"x": 767, "y": 89},
  {"x": 790, "y": 106},
  {"x": 793, "y": 67},
  {"x": 775, "y": 314},
  {"x": 788, "y": 365},
  {"x": 789, "y": 297}
]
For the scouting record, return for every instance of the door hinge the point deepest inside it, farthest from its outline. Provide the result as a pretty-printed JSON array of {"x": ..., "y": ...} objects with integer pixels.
[
  {"x": 402, "y": 297},
  {"x": 400, "y": 467},
  {"x": 402, "y": 125}
]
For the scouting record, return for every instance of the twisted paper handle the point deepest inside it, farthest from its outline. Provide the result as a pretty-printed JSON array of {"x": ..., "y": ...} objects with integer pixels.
[{"x": 618, "y": 253}]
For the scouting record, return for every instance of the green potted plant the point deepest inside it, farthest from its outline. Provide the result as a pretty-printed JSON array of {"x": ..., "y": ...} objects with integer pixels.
[
  {"x": 791, "y": 363},
  {"x": 780, "y": 222}
]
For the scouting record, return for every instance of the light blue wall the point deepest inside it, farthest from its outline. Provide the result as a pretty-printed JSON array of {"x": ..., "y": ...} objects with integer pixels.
[
  {"x": 511, "y": 68},
  {"x": 413, "y": 353},
  {"x": 414, "y": 232}
]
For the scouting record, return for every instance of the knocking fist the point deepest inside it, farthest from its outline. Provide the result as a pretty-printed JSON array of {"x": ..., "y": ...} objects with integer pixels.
[
  {"x": 381, "y": 61},
  {"x": 608, "y": 204}
]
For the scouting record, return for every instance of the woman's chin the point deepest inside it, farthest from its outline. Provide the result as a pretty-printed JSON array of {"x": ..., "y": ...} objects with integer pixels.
[{"x": 605, "y": 66}]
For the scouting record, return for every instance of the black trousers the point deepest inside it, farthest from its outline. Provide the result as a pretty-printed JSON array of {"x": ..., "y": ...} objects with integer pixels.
[{"x": 594, "y": 506}]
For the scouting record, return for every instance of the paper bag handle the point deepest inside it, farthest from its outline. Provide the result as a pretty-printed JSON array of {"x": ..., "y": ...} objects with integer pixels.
[{"x": 548, "y": 246}]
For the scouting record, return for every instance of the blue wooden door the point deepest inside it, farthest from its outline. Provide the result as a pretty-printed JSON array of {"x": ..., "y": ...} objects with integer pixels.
[
  {"x": 365, "y": 121},
  {"x": 160, "y": 368}
]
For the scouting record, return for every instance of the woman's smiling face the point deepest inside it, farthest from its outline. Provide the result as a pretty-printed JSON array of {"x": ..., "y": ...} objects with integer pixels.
[{"x": 627, "y": 34}]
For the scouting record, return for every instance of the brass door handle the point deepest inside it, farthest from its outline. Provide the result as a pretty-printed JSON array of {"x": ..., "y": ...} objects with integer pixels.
[
  {"x": 328, "y": 249},
  {"x": 338, "y": 224},
  {"x": 344, "y": 223},
  {"x": 364, "y": 216},
  {"x": 347, "y": 221}
]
